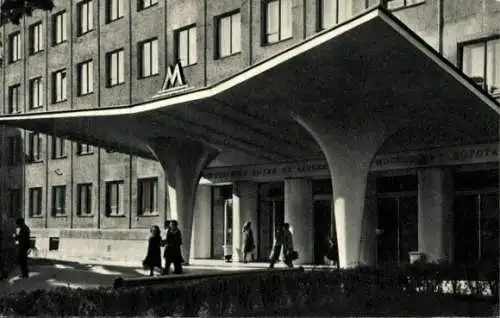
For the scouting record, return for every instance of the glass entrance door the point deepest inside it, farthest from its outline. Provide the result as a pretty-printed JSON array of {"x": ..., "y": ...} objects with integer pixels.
[
  {"x": 322, "y": 230},
  {"x": 272, "y": 214}
]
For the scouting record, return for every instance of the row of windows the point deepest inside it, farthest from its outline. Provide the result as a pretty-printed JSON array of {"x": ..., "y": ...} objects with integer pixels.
[
  {"x": 147, "y": 203},
  {"x": 35, "y": 147}
]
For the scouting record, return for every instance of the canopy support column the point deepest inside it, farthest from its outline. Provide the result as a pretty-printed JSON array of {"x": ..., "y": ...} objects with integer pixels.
[{"x": 183, "y": 162}]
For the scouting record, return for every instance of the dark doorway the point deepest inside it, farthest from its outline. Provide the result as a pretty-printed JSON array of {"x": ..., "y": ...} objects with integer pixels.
[
  {"x": 271, "y": 214},
  {"x": 322, "y": 230}
]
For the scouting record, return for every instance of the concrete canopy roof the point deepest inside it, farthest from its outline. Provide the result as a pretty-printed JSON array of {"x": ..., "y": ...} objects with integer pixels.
[{"x": 371, "y": 63}]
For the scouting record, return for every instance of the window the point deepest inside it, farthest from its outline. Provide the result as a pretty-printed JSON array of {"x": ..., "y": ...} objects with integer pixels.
[
  {"x": 35, "y": 202},
  {"x": 36, "y": 38},
  {"x": 144, "y": 4},
  {"x": 15, "y": 52},
  {"x": 59, "y": 200},
  {"x": 114, "y": 10},
  {"x": 278, "y": 20},
  {"x": 84, "y": 207},
  {"x": 116, "y": 67},
  {"x": 15, "y": 150},
  {"x": 148, "y": 196},
  {"x": 14, "y": 93},
  {"x": 186, "y": 46},
  {"x": 331, "y": 12},
  {"x": 85, "y": 78},
  {"x": 84, "y": 149},
  {"x": 59, "y": 27},
  {"x": 36, "y": 92},
  {"x": 114, "y": 198},
  {"x": 85, "y": 17},
  {"x": 229, "y": 34},
  {"x": 398, "y": 4},
  {"x": 59, "y": 86},
  {"x": 481, "y": 62},
  {"x": 15, "y": 203},
  {"x": 58, "y": 148},
  {"x": 35, "y": 147},
  {"x": 148, "y": 58}
]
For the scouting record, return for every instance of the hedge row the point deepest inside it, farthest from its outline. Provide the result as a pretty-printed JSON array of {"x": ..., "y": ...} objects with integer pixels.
[{"x": 363, "y": 290}]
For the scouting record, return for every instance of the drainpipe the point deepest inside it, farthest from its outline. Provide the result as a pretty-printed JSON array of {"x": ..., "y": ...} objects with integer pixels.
[{"x": 440, "y": 25}]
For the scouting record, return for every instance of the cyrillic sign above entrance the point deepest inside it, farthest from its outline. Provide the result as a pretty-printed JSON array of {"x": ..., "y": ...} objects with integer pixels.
[
  {"x": 174, "y": 80},
  {"x": 482, "y": 153}
]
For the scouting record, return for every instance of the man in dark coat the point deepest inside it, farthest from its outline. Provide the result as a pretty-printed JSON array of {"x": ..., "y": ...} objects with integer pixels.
[
  {"x": 22, "y": 237},
  {"x": 172, "y": 252}
]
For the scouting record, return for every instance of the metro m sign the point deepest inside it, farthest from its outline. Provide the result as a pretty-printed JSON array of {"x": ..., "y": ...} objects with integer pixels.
[{"x": 174, "y": 79}]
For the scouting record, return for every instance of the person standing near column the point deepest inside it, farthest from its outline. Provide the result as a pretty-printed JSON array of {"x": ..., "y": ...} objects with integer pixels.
[
  {"x": 153, "y": 256},
  {"x": 173, "y": 253},
  {"x": 248, "y": 241},
  {"x": 289, "y": 254},
  {"x": 22, "y": 237}
]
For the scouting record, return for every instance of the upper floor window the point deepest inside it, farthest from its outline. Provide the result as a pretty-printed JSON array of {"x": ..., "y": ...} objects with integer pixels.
[
  {"x": 115, "y": 67},
  {"x": 148, "y": 58},
  {"x": 59, "y": 27},
  {"x": 35, "y": 147},
  {"x": 35, "y": 201},
  {"x": 36, "y": 92},
  {"x": 15, "y": 52},
  {"x": 59, "y": 200},
  {"x": 481, "y": 62},
  {"x": 84, "y": 149},
  {"x": 58, "y": 148},
  {"x": 186, "y": 46},
  {"x": 114, "y": 198},
  {"x": 148, "y": 196},
  {"x": 144, "y": 4},
  {"x": 85, "y": 74},
  {"x": 332, "y": 12},
  {"x": 14, "y": 95},
  {"x": 36, "y": 38},
  {"x": 397, "y": 4},
  {"x": 85, "y": 16},
  {"x": 229, "y": 34},
  {"x": 15, "y": 150},
  {"x": 114, "y": 10},
  {"x": 278, "y": 21},
  {"x": 84, "y": 207},
  {"x": 59, "y": 86}
]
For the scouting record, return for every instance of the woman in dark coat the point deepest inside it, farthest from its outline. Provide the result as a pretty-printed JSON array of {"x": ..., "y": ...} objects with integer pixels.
[
  {"x": 172, "y": 252},
  {"x": 248, "y": 241},
  {"x": 153, "y": 257}
]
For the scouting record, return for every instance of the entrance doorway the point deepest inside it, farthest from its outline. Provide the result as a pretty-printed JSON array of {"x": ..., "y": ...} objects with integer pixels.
[
  {"x": 323, "y": 230},
  {"x": 271, "y": 214}
]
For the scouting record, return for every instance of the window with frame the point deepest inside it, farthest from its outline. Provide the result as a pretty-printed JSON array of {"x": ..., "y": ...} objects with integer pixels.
[
  {"x": 84, "y": 207},
  {"x": 58, "y": 148},
  {"x": 278, "y": 19},
  {"x": 398, "y": 4},
  {"x": 15, "y": 52},
  {"x": 186, "y": 46},
  {"x": 85, "y": 17},
  {"x": 84, "y": 149},
  {"x": 15, "y": 150},
  {"x": 144, "y": 4},
  {"x": 114, "y": 198},
  {"x": 59, "y": 86},
  {"x": 35, "y": 202},
  {"x": 148, "y": 196},
  {"x": 36, "y": 92},
  {"x": 59, "y": 27},
  {"x": 36, "y": 38},
  {"x": 148, "y": 58},
  {"x": 14, "y": 95},
  {"x": 229, "y": 34},
  {"x": 332, "y": 12},
  {"x": 480, "y": 60},
  {"x": 15, "y": 202},
  {"x": 59, "y": 200},
  {"x": 115, "y": 67},
  {"x": 35, "y": 147},
  {"x": 114, "y": 10},
  {"x": 85, "y": 78}
]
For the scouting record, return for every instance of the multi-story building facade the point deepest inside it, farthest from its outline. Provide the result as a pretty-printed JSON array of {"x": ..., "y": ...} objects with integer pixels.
[{"x": 81, "y": 200}]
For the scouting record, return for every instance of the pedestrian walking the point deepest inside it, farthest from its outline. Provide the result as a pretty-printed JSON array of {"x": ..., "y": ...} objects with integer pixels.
[
  {"x": 153, "y": 256},
  {"x": 22, "y": 238},
  {"x": 173, "y": 254},
  {"x": 283, "y": 244},
  {"x": 248, "y": 241}
]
